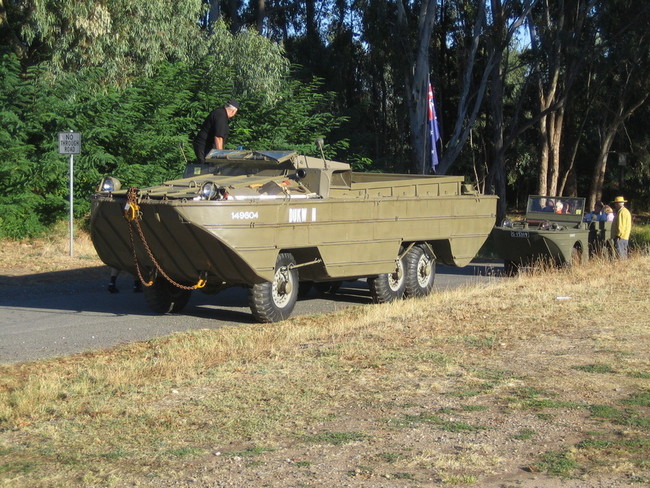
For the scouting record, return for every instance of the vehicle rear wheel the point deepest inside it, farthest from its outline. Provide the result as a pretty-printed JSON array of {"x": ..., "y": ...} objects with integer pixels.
[
  {"x": 274, "y": 301},
  {"x": 163, "y": 297},
  {"x": 388, "y": 287},
  {"x": 420, "y": 272}
]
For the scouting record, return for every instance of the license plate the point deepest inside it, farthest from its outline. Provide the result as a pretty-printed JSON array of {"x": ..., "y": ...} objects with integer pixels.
[{"x": 520, "y": 234}]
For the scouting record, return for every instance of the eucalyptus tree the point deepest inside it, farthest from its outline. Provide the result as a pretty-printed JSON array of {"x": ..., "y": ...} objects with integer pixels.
[
  {"x": 563, "y": 40},
  {"x": 123, "y": 36},
  {"x": 485, "y": 58},
  {"x": 128, "y": 39},
  {"x": 621, "y": 76},
  {"x": 418, "y": 20}
]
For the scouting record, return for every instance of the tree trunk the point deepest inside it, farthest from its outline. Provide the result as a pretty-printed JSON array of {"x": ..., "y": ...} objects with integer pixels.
[
  {"x": 235, "y": 21},
  {"x": 497, "y": 175},
  {"x": 472, "y": 95},
  {"x": 261, "y": 15},
  {"x": 544, "y": 156},
  {"x": 555, "y": 139},
  {"x": 416, "y": 79},
  {"x": 598, "y": 176},
  {"x": 609, "y": 133}
]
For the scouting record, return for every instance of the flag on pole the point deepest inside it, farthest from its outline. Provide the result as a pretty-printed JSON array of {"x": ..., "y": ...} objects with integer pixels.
[{"x": 434, "y": 129}]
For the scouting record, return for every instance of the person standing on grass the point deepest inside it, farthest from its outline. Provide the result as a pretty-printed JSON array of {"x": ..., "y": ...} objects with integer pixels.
[{"x": 621, "y": 227}]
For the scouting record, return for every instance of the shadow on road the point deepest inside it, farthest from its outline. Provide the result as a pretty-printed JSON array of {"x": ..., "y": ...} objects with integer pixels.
[{"x": 84, "y": 290}]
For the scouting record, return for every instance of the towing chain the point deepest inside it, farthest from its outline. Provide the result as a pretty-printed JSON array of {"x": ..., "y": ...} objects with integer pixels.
[{"x": 133, "y": 216}]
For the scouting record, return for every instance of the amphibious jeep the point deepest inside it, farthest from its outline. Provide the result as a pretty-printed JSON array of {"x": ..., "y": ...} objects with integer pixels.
[
  {"x": 277, "y": 221},
  {"x": 552, "y": 232}
]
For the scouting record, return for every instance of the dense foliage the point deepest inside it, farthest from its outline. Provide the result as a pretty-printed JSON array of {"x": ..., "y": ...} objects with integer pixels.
[
  {"x": 532, "y": 96},
  {"x": 140, "y": 133}
]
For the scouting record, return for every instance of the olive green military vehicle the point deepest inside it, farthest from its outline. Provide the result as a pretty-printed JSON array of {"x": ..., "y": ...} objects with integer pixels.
[
  {"x": 552, "y": 232},
  {"x": 277, "y": 222}
]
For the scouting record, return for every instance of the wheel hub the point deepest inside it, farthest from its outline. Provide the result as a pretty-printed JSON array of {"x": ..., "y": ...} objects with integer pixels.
[{"x": 282, "y": 287}]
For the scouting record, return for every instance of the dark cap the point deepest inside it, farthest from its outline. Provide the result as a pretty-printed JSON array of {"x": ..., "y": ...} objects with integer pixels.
[{"x": 233, "y": 103}]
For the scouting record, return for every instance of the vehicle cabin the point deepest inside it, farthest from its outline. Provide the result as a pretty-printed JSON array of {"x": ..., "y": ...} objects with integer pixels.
[{"x": 547, "y": 210}]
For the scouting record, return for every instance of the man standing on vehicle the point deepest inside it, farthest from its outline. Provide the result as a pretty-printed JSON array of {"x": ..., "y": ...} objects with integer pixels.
[
  {"x": 621, "y": 227},
  {"x": 214, "y": 130}
]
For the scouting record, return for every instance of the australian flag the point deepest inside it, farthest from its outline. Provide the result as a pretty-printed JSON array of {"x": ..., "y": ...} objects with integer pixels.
[{"x": 434, "y": 129}]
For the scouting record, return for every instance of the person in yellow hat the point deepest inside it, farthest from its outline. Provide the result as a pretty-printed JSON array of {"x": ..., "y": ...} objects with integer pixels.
[{"x": 621, "y": 227}]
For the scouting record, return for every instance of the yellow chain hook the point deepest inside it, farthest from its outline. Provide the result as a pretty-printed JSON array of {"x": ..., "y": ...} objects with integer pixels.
[{"x": 131, "y": 209}]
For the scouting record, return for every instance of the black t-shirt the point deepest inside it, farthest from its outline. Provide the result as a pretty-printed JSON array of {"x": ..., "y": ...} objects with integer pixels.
[{"x": 214, "y": 125}]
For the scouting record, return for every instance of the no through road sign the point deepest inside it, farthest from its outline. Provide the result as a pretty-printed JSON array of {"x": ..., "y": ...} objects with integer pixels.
[{"x": 69, "y": 142}]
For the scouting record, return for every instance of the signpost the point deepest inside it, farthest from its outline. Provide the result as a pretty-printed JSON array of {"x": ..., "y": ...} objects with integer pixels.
[{"x": 70, "y": 143}]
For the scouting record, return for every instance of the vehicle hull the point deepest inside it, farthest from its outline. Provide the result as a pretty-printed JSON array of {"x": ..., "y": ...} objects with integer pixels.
[
  {"x": 236, "y": 243},
  {"x": 526, "y": 246}
]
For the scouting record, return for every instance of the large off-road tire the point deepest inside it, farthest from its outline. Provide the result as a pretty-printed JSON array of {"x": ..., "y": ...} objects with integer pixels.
[
  {"x": 388, "y": 287},
  {"x": 163, "y": 297},
  {"x": 420, "y": 272},
  {"x": 274, "y": 301}
]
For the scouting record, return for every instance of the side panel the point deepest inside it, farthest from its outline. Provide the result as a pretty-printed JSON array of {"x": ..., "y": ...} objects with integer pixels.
[{"x": 237, "y": 242}]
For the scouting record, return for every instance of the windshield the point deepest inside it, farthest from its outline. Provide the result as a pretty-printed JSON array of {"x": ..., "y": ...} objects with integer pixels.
[{"x": 556, "y": 205}]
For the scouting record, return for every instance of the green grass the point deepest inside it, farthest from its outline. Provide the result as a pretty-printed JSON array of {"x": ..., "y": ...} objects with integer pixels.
[
  {"x": 595, "y": 368},
  {"x": 402, "y": 476},
  {"x": 558, "y": 463},
  {"x": 626, "y": 417},
  {"x": 390, "y": 457},
  {"x": 524, "y": 435},
  {"x": 640, "y": 237},
  {"x": 335, "y": 438},
  {"x": 16, "y": 468},
  {"x": 639, "y": 399},
  {"x": 251, "y": 451},
  {"x": 528, "y": 398},
  {"x": 446, "y": 425}
]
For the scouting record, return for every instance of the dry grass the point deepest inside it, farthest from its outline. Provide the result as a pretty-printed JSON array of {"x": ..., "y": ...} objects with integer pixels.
[
  {"x": 50, "y": 253},
  {"x": 151, "y": 411}
]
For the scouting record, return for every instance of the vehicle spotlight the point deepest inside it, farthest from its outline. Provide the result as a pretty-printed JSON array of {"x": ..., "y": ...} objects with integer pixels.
[
  {"x": 212, "y": 191},
  {"x": 110, "y": 183}
]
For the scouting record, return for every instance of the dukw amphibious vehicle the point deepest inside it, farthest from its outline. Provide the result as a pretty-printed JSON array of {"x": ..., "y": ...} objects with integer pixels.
[
  {"x": 276, "y": 222},
  {"x": 552, "y": 232}
]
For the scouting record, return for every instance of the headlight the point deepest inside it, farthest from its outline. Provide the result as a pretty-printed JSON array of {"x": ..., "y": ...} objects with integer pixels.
[
  {"x": 506, "y": 222},
  {"x": 109, "y": 183},
  {"x": 212, "y": 191}
]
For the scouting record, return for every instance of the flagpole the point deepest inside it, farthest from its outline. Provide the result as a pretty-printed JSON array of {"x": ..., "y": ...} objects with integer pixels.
[{"x": 424, "y": 143}]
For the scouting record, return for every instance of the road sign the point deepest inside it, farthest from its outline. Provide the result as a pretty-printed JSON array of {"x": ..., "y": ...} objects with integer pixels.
[{"x": 69, "y": 142}]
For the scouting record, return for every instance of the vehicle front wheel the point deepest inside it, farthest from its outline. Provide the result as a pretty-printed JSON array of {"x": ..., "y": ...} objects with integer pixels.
[
  {"x": 388, "y": 287},
  {"x": 274, "y": 301},
  {"x": 163, "y": 297},
  {"x": 420, "y": 272}
]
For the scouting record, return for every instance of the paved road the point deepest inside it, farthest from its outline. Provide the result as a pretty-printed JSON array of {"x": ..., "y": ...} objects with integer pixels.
[{"x": 41, "y": 318}]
